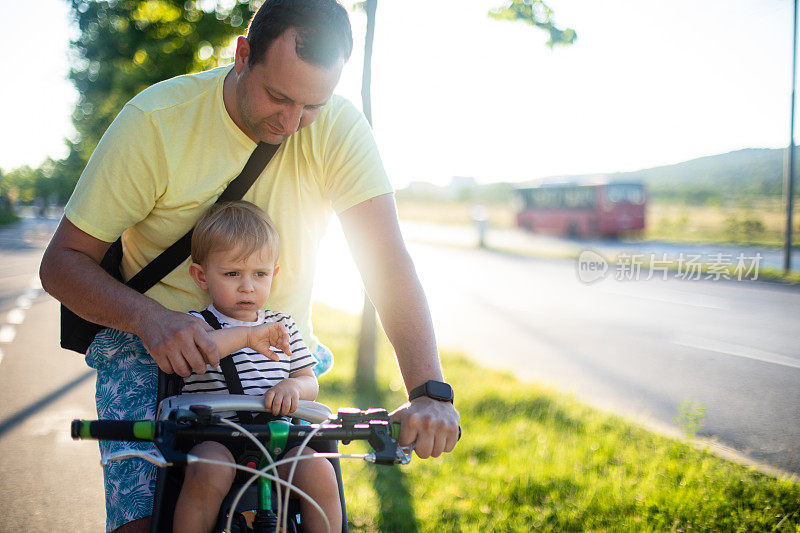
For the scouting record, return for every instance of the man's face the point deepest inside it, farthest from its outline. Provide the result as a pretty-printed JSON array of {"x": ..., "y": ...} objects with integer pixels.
[{"x": 281, "y": 93}]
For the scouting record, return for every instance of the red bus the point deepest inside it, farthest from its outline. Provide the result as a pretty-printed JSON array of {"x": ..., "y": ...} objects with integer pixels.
[{"x": 604, "y": 209}]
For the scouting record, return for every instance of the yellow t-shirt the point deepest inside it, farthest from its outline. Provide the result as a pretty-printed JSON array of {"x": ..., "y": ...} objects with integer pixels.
[{"x": 171, "y": 152}]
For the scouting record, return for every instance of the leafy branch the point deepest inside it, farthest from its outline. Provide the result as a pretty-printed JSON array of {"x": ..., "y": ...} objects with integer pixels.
[{"x": 538, "y": 14}]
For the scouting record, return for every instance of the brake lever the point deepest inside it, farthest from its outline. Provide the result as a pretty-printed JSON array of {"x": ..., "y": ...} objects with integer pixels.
[{"x": 404, "y": 454}]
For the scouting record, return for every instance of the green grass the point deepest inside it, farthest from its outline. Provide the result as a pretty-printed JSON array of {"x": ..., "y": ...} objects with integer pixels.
[
  {"x": 774, "y": 274},
  {"x": 757, "y": 222},
  {"x": 532, "y": 459}
]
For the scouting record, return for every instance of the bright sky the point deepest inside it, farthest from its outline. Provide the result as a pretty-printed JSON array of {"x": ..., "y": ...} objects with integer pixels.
[{"x": 457, "y": 93}]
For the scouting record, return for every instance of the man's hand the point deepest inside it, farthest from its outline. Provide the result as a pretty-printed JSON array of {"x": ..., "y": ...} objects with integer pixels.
[
  {"x": 264, "y": 336},
  {"x": 178, "y": 342},
  {"x": 283, "y": 398},
  {"x": 431, "y": 425}
]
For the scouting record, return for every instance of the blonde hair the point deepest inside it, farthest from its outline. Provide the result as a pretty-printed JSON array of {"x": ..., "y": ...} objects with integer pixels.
[{"x": 234, "y": 225}]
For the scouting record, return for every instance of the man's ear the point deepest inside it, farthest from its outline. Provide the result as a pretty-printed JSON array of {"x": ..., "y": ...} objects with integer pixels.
[
  {"x": 242, "y": 54},
  {"x": 198, "y": 275},
  {"x": 275, "y": 270}
]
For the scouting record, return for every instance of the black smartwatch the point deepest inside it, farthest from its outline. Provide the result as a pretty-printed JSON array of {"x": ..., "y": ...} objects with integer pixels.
[{"x": 433, "y": 389}]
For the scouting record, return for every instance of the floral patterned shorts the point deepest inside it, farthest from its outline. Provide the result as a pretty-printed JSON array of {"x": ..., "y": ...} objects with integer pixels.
[{"x": 127, "y": 382}]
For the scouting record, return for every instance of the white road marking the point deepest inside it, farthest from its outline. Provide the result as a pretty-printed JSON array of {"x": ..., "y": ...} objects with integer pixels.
[
  {"x": 31, "y": 294},
  {"x": 7, "y": 333},
  {"x": 738, "y": 351},
  {"x": 15, "y": 316}
]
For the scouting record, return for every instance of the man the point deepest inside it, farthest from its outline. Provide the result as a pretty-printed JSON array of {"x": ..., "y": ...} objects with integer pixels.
[{"x": 165, "y": 159}]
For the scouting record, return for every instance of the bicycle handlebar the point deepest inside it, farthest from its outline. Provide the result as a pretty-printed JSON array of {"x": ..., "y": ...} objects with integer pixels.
[
  {"x": 148, "y": 430},
  {"x": 126, "y": 430},
  {"x": 200, "y": 422}
]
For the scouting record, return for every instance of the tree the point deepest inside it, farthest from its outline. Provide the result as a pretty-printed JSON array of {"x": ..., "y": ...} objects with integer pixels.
[
  {"x": 537, "y": 14},
  {"x": 6, "y": 208},
  {"x": 20, "y": 184},
  {"x": 127, "y": 45},
  {"x": 365, "y": 358},
  {"x": 65, "y": 172}
]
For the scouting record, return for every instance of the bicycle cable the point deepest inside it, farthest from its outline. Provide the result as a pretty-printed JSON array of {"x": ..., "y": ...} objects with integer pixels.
[
  {"x": 259, "y": 473},
  {"x": 289, "y": 486},
  {"x": 290, "y": 477},
  {"x": 263, "y": 450},
  {"x": 282, "y": 512}
]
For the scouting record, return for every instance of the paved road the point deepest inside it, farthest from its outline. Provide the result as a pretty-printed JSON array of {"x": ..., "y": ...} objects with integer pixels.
[
  {"x": 637, "y": 347},
  {"x": 641, "y": 348},
  {"x": 48, "y": 482}
]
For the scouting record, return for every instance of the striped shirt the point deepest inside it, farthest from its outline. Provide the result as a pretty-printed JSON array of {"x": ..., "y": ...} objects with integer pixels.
[{"x": 256, "y": 372}]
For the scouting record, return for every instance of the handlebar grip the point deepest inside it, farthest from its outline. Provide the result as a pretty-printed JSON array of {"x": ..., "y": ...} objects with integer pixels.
[{"x": 128, "y": 430}]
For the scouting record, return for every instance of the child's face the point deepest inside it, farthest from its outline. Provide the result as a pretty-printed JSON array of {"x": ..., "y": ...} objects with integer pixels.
[{"x": 239, "y": 286}]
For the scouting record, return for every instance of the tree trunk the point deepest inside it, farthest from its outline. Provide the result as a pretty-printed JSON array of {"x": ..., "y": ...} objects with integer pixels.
[{"x": 365, "y": 362}]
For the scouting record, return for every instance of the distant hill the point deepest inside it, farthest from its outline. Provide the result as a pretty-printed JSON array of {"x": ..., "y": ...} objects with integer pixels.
[
  {"x": 752, "y": 171},
  {"x": 719, "y": 178}
]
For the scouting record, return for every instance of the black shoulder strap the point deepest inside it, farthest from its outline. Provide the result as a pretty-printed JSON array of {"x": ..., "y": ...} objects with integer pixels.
[
  {"x": 211, "y": 319},
  {"x": 173, "y": 256},
  {"x": 232, "y": 380}
]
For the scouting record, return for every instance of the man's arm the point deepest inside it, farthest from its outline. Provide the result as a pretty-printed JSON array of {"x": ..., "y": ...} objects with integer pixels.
[
  {"x": 373, "y": 233},
  {"x": 70, "y": 272}
]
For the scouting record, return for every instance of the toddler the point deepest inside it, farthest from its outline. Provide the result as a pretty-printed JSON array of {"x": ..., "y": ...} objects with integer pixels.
[{"x": 234, "y": 254}]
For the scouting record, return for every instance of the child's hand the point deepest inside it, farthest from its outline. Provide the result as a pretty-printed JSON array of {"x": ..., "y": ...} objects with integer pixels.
[
  {"x": 264, "y": 336},
  {"x": 283, "y": 398}
]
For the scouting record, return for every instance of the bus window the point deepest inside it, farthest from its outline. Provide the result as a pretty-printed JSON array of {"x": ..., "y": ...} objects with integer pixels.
[
  {"x": 529, "y": 198},
  {"x": 579, "y": 197},
  {"x": 548, "y": 198},
  {"x": 629, "y": 193}
]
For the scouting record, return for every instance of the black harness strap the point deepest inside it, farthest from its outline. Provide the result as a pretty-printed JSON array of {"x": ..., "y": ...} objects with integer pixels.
[
  {"x": 177, "y": 253},
  {"x": 232, "y": 380}
]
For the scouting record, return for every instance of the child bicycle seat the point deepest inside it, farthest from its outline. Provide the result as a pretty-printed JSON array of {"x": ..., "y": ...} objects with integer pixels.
[{"x": 170, "y": 479}]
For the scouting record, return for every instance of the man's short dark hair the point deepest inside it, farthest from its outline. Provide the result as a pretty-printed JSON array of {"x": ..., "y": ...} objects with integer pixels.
[{"x": 323, "y": 30}]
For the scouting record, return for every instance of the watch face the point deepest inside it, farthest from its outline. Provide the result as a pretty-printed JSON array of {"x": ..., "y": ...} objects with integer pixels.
[{"x": 439, "y": 390}]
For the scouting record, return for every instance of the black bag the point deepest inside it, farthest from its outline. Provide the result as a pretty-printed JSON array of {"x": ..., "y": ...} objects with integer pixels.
[{"x": 78, "y": 333}]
